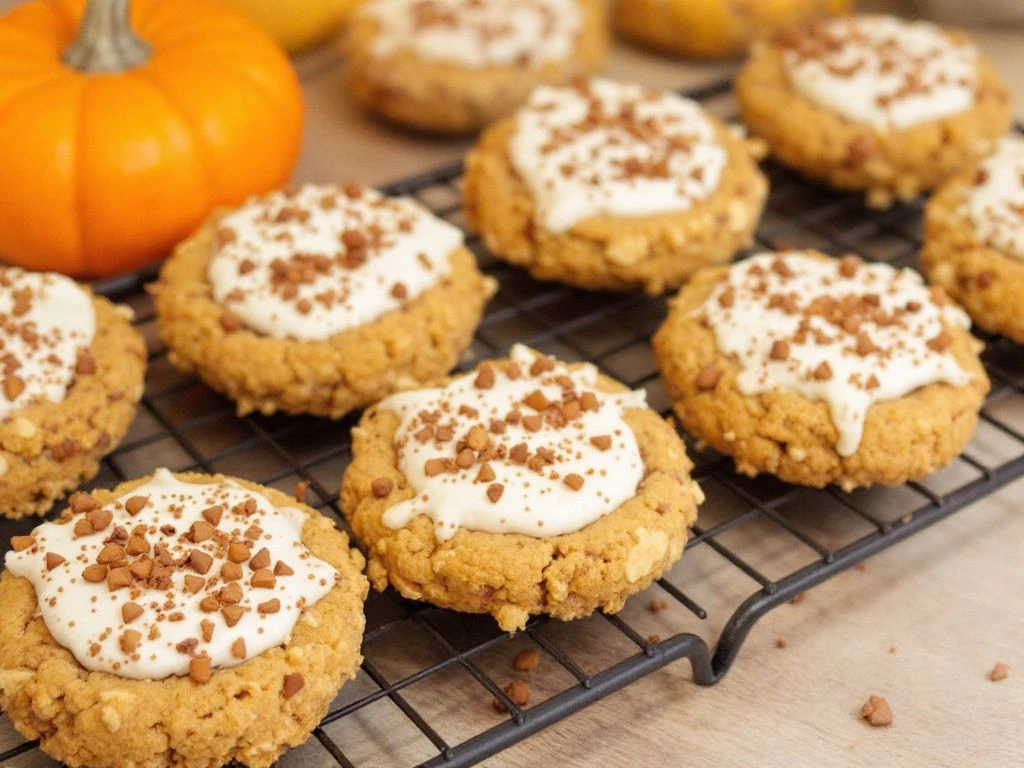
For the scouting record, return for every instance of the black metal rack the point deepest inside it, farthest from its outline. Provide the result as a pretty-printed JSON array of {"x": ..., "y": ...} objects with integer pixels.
[{"x": 183, "y": 425}]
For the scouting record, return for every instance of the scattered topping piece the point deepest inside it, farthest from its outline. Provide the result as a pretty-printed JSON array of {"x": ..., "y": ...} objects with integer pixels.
[
  {"x": 518, "y": 692},
  {"x": 292, "y": 684},
  {"x": 238, "y": 648},
  {"x": 527, "y": 660},
  {"x": 130, "y": 612},
  {"x": 19, "y": 543},
  {"x": 877, "y": 712},
  {"x": 382, "y": 486},
  {"x": 200, "y": 669},
  {"x": 999, "y": 672},
  {"x": 53, "y": 560}
]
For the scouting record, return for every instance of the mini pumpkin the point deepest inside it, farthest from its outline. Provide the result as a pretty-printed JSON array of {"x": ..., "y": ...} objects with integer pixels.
[
  {"x": 115, "y": 146},
  {"x": 712, "y": 28}
]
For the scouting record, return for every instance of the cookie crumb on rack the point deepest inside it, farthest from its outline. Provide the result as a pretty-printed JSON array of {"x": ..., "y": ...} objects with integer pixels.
[
  {"x": 518, "y": 691},
  {"x": 877, "y": 712},
  {"x": 657, "y": 605},
  {"x": 527, "y": 660},
  {"x": 781, "y": 643},
  {"x": 798, "y": 599}
]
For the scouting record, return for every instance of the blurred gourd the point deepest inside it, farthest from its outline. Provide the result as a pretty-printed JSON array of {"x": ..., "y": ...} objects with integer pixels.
[
  {"x": 297, "y": 24},
  {"x": 712, "y": 28},
  {"x": 122, "y": 128}
]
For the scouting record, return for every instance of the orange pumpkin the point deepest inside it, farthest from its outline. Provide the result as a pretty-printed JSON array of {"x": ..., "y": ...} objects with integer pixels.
[{"x": 113, "y": 147}]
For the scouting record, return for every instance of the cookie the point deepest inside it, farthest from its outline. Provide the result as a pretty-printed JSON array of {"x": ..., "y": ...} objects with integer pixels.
[
  {"x": 527, "y": 486},
  {"x": 874, "y": 103},
  {"x": 319, "y": 300},
  {"x": 72, "y": 372},
  {"x": 454, "y": 66},
  {"x": 178, "y": 620},
  {"x": 712, "y": 28},
  {"x": 821, "y": 370},
  {"x": 974, "y": 239},
  {"x": 614, "y": 186}
]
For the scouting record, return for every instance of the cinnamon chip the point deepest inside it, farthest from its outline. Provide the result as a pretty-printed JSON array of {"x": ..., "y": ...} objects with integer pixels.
[
  {"x": 53, "y": 560},
  {"x": 129, "y": 640},
  {"x": 206, "y": 627},
  {"x": 478, "y": 439},
  {"x": 232, "y": 614},
  {"x": 238, "y": 552},
  {"x": 999, "y": 672},
  {"x": 527, "y": 660},
  {"x": 200, "y": 670},
  {"x": 194, "y": 583},
  {"x": 260, "y": 560},
  {"x": 877, "y": 712},
  {"x": 263, "y": 579},
  {"x": 486, "y": 474},
  {"x": 542, "y": 364},
  {"x": 940, "y": 342},
  {"x": 99, "y": 519},
  {"x": 269, "y": 606},
  {"x": 136, "y": 504},
  {"x": 81, "y": 501},
  {"x": 382, "y": 486},
  {"x": 533, "y": 423},
  {"x": 95, "y": 573},
  {"x": 230, "y": 594},
  {"x": 519, "y": 453},
  {"x": 85, "y": 363},
  {"x": 111, "y": 553},
  {"x": 209, "y": 604},
  {"x": 574, "y": 481},
  {"x": 780, "y": 350},
  {"x": 20, "y": 543},
  {"x": 589, "y": 402},
  {"x": 494, "y": 492},
  {"x": 229, "y": 321},
  {"x": 823, "y": 372},
  {"x": 137, "y": 545},
  {"x": 283, "y": 569},
  {"x": 238, "y": 648},
  {"x": 231, "y": 571},
  {"x": 83, "y": 527},
  {"x": 292, "y": 684},
  {"x": 199, "y": 561},
  {"x": 465, "y": 459},
  {"x": 130, "y": 612},
  {"x": 201, "y": 530},
  {"x": 708, "y": 377},
  {"x": 434, "y": 467},
  {"x": 602, "y": 442},
  {"x": 485, "y": 377},
  {"x": 119, "y": 578},
  {"x": 13, "y": 386},
  {"x": 537, "y": 400}
]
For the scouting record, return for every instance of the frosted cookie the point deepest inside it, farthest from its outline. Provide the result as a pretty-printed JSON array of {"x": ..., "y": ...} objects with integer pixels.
[
  {"x": 821, "y": 370},
  {"x": 974, "y": 239},
  {"x": 526, "y": 486},
  {"x": 874, "y": 103},
  {"x": 320, "y": 300},
  {"x": 453, "y": 66},
  {"x": 609, "y": 185},
  {"x": 71, "y": 371},
  {"x": 185, "y": 620}
]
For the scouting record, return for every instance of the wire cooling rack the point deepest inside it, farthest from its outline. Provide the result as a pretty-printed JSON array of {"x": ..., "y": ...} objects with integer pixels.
[{"x": 425, "y": 691}]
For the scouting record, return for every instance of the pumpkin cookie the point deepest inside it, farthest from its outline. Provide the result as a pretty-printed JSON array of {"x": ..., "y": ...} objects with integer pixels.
[
  {"x": 613, "y": 186},
  {"x": 712, "y": 28},
  {"x": 453, "y": 66},
  {"x": 178, "y": 620},
  {"x": 822, "y": 370},
  {"x": 527, "y": 486},
  {"x": 72, "y": 375},
  {"x": 320, "y": 300},
  {"x": 974, "y": 239},
  {"x": 874, "y": 103}
]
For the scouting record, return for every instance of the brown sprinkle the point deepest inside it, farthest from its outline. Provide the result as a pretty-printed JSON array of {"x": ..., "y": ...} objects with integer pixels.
[
  {"x": 292, "y": 684},
  {"x": 382, "y": 486},
  {"x": 877, "y": 712},
  {"x": 199, "y": 669}
]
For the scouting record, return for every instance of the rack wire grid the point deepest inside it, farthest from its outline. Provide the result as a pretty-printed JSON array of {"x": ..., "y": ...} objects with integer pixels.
[{"x": 425, "y": 690}]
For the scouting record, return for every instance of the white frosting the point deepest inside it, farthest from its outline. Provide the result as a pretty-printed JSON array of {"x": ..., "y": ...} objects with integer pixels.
[
  {"x": 882, "y": 71},
  {"x": 86, "y": 617},
  {"x": 534, "y": 501},
  {"x": 322, "y": 260},
  {"x": 46, "y": 320},
  {"x": 879, "y": 333},
  {"x": 995, "y": 204},
  {"x": 618, "y": 149},
  {"x": 477, "y": 33}
]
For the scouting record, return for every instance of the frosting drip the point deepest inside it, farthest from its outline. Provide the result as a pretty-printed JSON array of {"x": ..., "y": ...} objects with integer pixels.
[
  {"x": 47, "y": 323},
  {"x": 477, "y": 33},
  {"x": 529, "y": 447},
  {"x": 839, "y": 330},
  {"x": 881, "y": 70},
  {"x": 995, "y": 204},
  {"x": 321, "y": 260},
  {"x": 170, "y": 573},
  {"x": 606, "y": 148}
]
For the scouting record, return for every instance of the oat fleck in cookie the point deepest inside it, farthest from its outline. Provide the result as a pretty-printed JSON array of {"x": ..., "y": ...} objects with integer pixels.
[
  {"x": 610, "y": 185},
  {"x": 822, "y": 370},
  {"x": 453, "y": 66},
  {"x": 71, "y": 370},
  {"x": 196, "y": 616},
  {"x": 526, "y": 486},
  {"x": 320, "y": 299},
  {"x": 974, "y": 239},
  {"x": 874, "y": 103}
]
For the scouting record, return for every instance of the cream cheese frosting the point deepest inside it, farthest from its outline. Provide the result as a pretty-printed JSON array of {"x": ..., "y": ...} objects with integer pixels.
[
  {"x": 527, "y": 447},
  {"x": 883, "y": 71},
  {"x": 47, "y": 323},
  {"x": 477, "y": 33},
  {"x": 995, "y": 202},
  {"x": 320, "y": 260},
  {"x": 171, "y": 573},
  {"x": 605, "y": 148},
  {"x": 838, "y": 330}
]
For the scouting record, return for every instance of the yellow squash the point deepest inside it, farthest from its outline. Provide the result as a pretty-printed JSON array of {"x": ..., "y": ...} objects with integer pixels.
[{"x": 297, "y": 24}]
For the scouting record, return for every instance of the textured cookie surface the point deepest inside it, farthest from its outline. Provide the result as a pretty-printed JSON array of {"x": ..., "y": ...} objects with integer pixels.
[
  {"x": 794, "y": 437},
  {"x": 888, "y": 164},
  {"x": 249, "y": 713},
  {"x": 329, "y": 377},
  {"x": 512, "y": 575},
  {"x": 651, "y": 251},
  {"x": 448, "y": 96},
  {"x": 47, "y": 449}
]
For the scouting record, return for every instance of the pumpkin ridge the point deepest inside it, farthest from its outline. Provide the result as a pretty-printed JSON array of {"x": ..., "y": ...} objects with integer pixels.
[
  {"x": 8, "y": 100},
  {"x": 77, "y": 192}
]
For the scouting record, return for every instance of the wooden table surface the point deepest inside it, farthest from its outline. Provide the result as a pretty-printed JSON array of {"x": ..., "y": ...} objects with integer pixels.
[{"x": 921, "y": 624}]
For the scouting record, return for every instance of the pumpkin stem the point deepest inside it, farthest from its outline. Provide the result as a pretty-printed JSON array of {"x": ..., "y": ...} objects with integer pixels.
[{"x": 105, "y": 41}]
